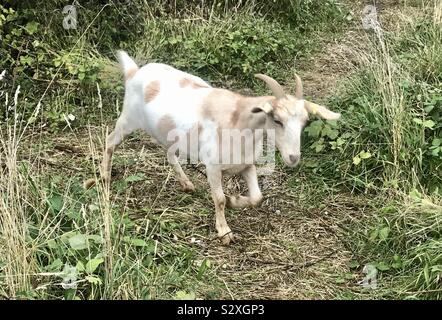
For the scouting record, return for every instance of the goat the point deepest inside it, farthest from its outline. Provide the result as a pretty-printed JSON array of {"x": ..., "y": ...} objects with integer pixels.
[{"x": 159, "y": 99}]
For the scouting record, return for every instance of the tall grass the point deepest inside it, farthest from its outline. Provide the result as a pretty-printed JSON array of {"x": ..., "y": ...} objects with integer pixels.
[
  {"x": 14, "y": 189},
  {"x": 391, "y": 103},
  {"x": 59, "y": 241},
  {"x": 391, "y": 109}
]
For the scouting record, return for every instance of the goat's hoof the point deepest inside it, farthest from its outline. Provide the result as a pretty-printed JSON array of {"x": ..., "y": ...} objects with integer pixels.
[
  {"x": 226, "y": 238},
  {"x": 236, "y": 202},
  {"x": 187, "y": 186}
]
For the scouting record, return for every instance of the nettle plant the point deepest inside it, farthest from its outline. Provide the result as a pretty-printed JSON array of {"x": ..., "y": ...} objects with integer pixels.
[
  {"x": 218, "y": 49},
  {"x": 325, "y": 134},
  {"x": 330, "y": 136},
  {"x": 431, "y": 118}
]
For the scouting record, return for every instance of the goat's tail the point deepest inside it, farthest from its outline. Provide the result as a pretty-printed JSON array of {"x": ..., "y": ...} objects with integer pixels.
[{"x": 127, "y": 64}]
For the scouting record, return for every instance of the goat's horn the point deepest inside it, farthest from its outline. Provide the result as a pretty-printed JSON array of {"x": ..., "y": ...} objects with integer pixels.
[
  {"x": 273, "y": 85},
  {"x": 299, "y": 89}
]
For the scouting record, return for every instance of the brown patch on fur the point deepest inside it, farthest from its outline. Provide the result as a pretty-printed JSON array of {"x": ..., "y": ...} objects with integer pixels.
[
  {"x": 235, "y": 114},
  {"x": 130, "y": 73},
  {"x": 219, "y": 97},
  {"x": 240, "y": 107},
  {"x": 184, "y": 82},
  {"x": 232, "y": 110},
  {"x": 151, "y": 91},
  {"x": 207, "y": 106},
  {"x": 165, "y": 125}
]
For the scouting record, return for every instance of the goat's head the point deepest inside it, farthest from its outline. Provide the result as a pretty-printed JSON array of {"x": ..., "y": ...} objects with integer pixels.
[{"x": 288, "y": 115}]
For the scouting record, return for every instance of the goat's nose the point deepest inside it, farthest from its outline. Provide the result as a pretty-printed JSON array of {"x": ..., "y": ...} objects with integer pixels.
[{"x": 294, "y": 158}]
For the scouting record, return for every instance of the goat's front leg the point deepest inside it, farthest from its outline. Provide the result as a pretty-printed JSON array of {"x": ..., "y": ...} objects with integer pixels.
[
  {"x": 255, "y": 195},
  {"x": 214, "y": 176},
  {"x": 185, "y": 182}
]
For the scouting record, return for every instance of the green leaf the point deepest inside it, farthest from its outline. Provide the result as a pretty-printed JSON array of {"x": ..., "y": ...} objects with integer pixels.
[
  {"x": 356, "y": 160},
  {"x": 328, "y": 131},
  {"x": 26, "y": 60},
  {"x": 436, "y": 150},
  {"x": 93, "y": 264},
  {"x": 319, "y": 147},
  {"x": 202, "y": 269},
  {"x": 56, "y": 203},
  {"x": 55, "y": 266},
  {"x": 57, "y": 62},
  {"x": 364, "y": 155},
  {"x": 373, "y": 235},
  {"x": 340, "y": 280},
  {"x": 135, "y": 177},
  {"x": 436, "y": 142},
  {"x": 52, "y": 244},
  {"x": 340, "y": 142},
  {"x": 78, "y": 242},
  {"x": 31, "y": 27},
  {"x": 418, "y": 121},
  {"x": 397, "y": 264},
  {"x": 353, "y": 264},
  {"x": 429, "y": 108},
  {"x": 96, "y": 238},
  {"x": 383, "y": 233},
  {"x": 80, "y": 266},
  {"x": 415, "y": 195},
  {"x": 382, "y": 266},
  {"x": 429, "y": 124},
  {"x": 138, "y": 242},
  {"x": 314, "y": 129},
  {"x": 69, "y": 273},
  {"x": 94, "y": 280}
]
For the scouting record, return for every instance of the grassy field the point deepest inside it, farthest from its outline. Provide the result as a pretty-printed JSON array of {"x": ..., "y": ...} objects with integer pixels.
[{"x": 367, "y": 194}]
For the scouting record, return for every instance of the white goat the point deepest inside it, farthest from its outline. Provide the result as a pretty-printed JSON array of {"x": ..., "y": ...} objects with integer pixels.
[{"x": 160, "y": 99}]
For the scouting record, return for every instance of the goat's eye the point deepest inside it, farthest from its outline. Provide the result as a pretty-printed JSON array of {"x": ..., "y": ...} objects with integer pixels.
[{"x": 278, "y": 122}]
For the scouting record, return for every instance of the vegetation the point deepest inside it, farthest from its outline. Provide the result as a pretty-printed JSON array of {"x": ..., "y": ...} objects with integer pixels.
[{"x": 368, "y": 191}]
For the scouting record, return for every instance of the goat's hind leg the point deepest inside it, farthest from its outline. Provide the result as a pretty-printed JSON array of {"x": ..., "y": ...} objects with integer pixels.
[
  {"x": 122, "y": 129},
  {"x": 255, "y": 196},
  {"x": 113, "y": 140}
]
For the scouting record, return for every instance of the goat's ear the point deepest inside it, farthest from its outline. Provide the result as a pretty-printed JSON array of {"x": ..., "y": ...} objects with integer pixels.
[
  {"x": 266, "y": 108},
  {"x": 321, "y": 111}
]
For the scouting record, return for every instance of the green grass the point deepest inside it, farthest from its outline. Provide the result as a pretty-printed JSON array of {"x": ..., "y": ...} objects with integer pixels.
[
  {"x": 391, "y": 134},
  {"x": 388, "y": 149}
]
